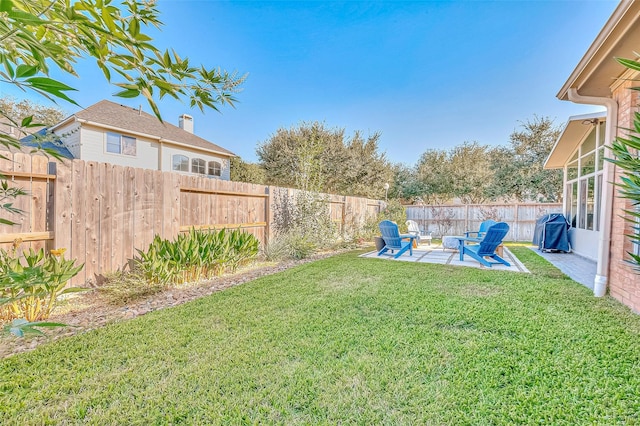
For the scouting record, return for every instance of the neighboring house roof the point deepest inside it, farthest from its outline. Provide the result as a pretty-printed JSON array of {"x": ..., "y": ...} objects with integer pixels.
[
  {"x": 56, "y": 146},
  {"x": 121, "y": 117},
  {"x": 597, "y": 70},
  {"x": 574, "y": 132}
]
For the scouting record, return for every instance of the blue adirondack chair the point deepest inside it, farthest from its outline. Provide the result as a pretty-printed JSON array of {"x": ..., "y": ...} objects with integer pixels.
[
  {"x": 487, "y": 246},
  {"x": 393, "y": 240},
  {"x": 484, "y": 226}
]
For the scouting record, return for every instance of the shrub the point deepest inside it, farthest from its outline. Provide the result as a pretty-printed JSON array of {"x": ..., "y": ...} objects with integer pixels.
[
  {"x": 300, "y": 246},
  {"x": 289, "y": 246},
  {"x": 276, "y": 249},
  {"x": 304, "y": 220},
  {"x": 30, "y": 283},
  {"x": 393, "y": 211}
]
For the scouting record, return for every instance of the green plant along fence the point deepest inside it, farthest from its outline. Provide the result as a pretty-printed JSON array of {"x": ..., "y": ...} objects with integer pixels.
[
  {"x": 195, "y": 255},
  {"x": 31, "y": 282}
]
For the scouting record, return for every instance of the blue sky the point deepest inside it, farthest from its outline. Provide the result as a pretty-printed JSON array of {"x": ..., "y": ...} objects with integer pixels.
[{"x": 424, "y": 74}]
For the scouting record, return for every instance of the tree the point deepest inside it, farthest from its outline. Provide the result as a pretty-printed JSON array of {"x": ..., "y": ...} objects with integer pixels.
[
  {"x": 293, "y": 157},
  {"x": 530, "y": 146},
  {"x": 505, "y": 184},
  {"x": 242, "y": 171},
  {"x": 406, "y": 185},
  {"x": 37, "y": 35},
  {"x": 476, "y": 173},
  {"x": 364, "y": 169},
  {"x": 314, "y": 157},
  {"x": 470, "y": 172},
  {"x": 15, "y": 111},
  {"x": 434, "y": 175}
]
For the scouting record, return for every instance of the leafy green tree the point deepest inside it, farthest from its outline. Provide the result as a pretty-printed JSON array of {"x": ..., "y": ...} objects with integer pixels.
[
  {"x": 434, "y": 175},
  {"x": 505, "y": 184},
  {"x": 364, "y": 170},
  {"x": 242, "y": 171},
  {"x": 470, "y": 171},
  {"x": 518, "y": 169},
  {"x": 292, "y": 157},
  {"x": 406, "y": 185},
  {"x": 37, "y": 36},
  {"x": 313, "y": 157}
]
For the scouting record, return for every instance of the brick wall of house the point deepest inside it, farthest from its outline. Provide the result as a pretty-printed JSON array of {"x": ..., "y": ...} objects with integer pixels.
[{"x": 624, "y": 283}]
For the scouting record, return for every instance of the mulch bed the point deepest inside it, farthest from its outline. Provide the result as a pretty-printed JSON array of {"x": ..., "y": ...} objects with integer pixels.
[{"x": 89, "y": 311}]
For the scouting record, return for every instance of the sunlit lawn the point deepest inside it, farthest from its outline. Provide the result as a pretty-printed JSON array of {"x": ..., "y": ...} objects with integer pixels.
[{"x": 352, "y": 341}]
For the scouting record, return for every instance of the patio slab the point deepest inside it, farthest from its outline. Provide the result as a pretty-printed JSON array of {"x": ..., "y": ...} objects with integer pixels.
[
  {"x": 578, "y": 268},
  {"x": 438, "y": 255}
]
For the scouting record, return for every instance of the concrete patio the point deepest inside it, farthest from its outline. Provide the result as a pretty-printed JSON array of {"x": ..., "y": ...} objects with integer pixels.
[
  {"x": 578, "y": 268},
  {"x": 436, "y": 254}
]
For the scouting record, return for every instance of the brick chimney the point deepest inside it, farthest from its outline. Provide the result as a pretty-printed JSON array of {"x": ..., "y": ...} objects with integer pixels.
[{"x": 185, "y": 122}]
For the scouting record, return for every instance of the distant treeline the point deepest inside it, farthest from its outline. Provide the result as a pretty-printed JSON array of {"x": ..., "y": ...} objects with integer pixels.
[{"x": 313, "y": 157}]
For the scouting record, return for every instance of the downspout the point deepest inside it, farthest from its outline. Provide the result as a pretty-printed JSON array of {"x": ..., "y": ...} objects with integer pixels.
[{"x": 606, "y": 209}]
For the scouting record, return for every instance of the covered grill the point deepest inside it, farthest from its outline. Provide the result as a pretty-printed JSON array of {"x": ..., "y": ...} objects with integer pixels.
[{"x": 552, "y": 233}]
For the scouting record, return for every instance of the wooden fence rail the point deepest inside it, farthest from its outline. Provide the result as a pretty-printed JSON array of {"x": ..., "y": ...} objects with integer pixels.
[
  {"x": 102, "y": 213},
  {"x": 457, "y": 219}
]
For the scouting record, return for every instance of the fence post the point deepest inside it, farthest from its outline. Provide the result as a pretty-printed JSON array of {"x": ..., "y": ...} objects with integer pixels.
[
  {"x": 466, "y": 217},
  {"x": 516, "y": 224},
  {"x": 268, "y": 217},
  {"x": 344, "y": 214}
]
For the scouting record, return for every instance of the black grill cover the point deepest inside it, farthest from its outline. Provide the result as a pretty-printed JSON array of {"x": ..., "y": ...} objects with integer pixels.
[{"x": 551, "y": 233}]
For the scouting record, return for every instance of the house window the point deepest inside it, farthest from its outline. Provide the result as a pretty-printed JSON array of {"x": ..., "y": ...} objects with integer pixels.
[
  {"x": 180, "y": 163},
  {"x": 198, "y": 165},
  {"x": 215, "y": 168},
  {"x": 584, "y": 181},
  {"x": 121, "y": 144}
]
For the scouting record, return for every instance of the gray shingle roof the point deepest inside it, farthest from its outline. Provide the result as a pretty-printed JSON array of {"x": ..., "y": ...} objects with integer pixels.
[{"x": 127, "y": 118}]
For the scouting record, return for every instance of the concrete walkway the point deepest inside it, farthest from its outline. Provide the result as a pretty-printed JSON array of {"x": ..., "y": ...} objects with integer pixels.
[{"x": 578, "y": 268}]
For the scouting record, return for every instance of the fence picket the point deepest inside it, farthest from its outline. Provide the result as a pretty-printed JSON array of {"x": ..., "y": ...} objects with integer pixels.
[
  {"x": 78, "y": 219},
  {"x": 457, "y": 219},
  {"x": 92, "y": 222}
]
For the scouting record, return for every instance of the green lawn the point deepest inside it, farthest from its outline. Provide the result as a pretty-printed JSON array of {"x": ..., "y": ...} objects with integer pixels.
[{"x": 349, "y": 341}]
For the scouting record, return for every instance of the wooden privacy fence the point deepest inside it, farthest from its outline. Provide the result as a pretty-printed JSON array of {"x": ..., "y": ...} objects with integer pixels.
[
  {"x": 457, "y": 219},
  {"x": 101, "y": 213}
]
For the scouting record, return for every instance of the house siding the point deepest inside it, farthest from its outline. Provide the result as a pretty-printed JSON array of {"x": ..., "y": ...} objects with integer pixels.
[
  {"x": 88, "y": 142},
  {"x": 70, "y": 136},
  {"x": 94, "y": 149},
  {"x": 624, "y": 283},
  {"x": 168, "y": 151}
]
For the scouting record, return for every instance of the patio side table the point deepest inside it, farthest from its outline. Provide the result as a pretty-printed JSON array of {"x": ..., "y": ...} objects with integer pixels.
[{"x": 451, "y": 242}]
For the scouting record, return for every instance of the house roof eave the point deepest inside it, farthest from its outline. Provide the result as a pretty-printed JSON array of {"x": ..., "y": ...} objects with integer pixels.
[
  {"x": 598, "y": 70},
  {"x": 574, "y": 132},
  {"x": 153, "y": 137}
]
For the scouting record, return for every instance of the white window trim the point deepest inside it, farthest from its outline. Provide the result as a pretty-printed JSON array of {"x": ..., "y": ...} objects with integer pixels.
[
  {"x": 579, "y": 178},
  {"x": 183, "y": 157},
  {"x": 121, "y": 153}
]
